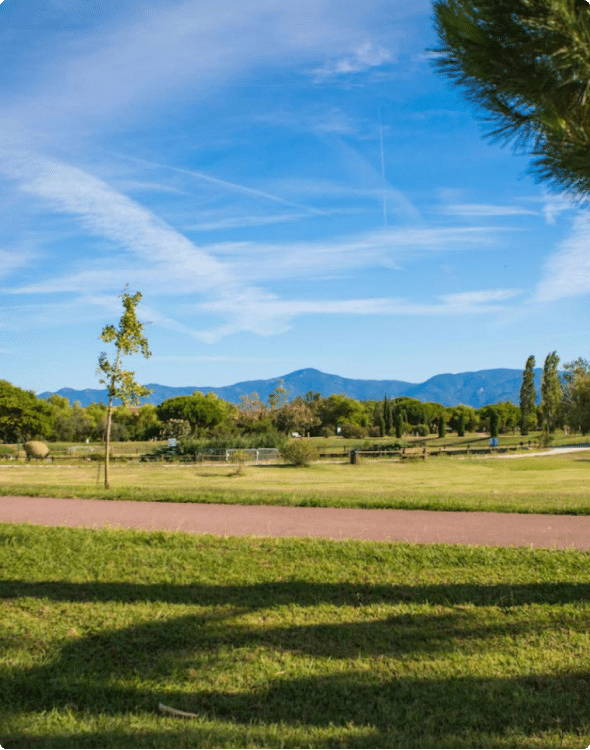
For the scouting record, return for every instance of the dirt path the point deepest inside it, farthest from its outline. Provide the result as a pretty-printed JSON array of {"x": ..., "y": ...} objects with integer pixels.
[
  {"x": 550, "y": 452},
  {"x": 497, "y": 529}
]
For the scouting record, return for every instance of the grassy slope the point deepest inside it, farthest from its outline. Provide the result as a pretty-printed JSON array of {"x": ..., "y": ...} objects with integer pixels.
[
  {"x": 556, "y": 484},
  {"x": 296, "y": 643}
]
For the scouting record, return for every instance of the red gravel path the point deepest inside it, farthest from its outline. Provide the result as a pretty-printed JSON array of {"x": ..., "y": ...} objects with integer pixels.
[{"x": 498, "y": 529}]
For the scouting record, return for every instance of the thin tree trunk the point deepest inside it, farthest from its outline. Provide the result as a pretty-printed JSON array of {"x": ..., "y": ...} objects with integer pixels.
[{"x": 108, "y": 445}]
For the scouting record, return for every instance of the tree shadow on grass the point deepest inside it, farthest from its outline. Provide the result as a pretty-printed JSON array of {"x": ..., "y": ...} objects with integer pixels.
[
  {"x": 301, "y": 592},
  {"x": 126, "y": 670},
  {"x": 405, "y": 712}
]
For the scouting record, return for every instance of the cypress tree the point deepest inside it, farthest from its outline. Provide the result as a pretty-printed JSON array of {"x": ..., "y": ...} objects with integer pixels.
[
  {"x": 551, "y": 392},
  {"x": 387, "y": 415},
  {"x": 494, "y": 423},
  {"x": 399, "y": 425},
  {"x": 461, "y": 425},
  {"x": 528, "y": 395},
  {"x": 442, "y": 426}
]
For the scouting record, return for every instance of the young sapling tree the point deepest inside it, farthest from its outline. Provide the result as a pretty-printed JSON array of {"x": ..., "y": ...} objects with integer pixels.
[{"x": 128, "y": 339}]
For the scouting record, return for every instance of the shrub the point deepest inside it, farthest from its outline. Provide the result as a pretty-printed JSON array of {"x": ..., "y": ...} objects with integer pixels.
[
  {"x": 239, "y": 458},
  {"x": 299, "y": 453},
  {"x": 222, "y": 443},
  {"x": 390, "y": 446},
  {"x": 353, "y": 431},
  {"x": 192, "y": 447},
  {"x": 545, "y": 439}
]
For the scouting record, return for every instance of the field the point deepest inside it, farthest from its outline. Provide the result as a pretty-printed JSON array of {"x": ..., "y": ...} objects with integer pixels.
[
  {"x": 555, "y": 484},
  {"x": 296, "y": 643}
]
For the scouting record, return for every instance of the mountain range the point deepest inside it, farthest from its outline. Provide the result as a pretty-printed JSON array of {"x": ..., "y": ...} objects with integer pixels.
[{"x": 474, "y": 389}]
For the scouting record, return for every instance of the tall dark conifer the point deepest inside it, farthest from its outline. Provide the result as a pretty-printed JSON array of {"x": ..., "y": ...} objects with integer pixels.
[
  {"x": 387, "y": 415},
  {"x": 461, "y": 425},
  {"x": 551, "y": 392},
  {"x": 399, "y": 425},
  {"x": 494, "y": 423},
  {"x": 528, "y": 395}
]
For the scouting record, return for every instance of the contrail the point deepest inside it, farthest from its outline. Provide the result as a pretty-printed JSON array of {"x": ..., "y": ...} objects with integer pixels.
[
  {"x": 383, "y": 178},
  {"x": 227, "y": 184}
]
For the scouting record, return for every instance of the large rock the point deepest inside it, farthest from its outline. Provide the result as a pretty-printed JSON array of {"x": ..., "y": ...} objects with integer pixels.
[{"x": 35, "y": 449}]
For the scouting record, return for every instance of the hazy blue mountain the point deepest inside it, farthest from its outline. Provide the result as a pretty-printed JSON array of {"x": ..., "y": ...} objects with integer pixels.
[{"x": 471, "y": 388}]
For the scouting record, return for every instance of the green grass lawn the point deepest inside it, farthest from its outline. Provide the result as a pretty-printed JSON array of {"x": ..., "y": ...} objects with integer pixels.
[
  {"x": 553, "y": 484},
  {"x": 288, "y": 643}
]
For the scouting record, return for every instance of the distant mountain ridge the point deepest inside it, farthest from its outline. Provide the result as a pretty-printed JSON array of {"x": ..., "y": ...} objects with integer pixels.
[{"x": 474, "y": 389}]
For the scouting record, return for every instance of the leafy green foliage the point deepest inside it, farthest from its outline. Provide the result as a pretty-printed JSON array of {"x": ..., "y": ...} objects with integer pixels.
[
  {"x": 353, "y": 431},
  {"x": 494, "y": 423},
  {"x": 300, "y": 453},
  {"x": 528, "y": 396},
  {"x": 128, "y": 339},
  {"x": 551, "y": 393},
  {"x": 394, "y": 445},
  {"x": 338, "y": 409},
  {"x": 399, "y": 424},
  {"x": 527, "y": 65},
  {"x": 461, "y": 425},
  {"x": 296, "y": 416},
  {"x": 188, "y": 447},
  {"x": 200, "y": 411},
  {"x": 22, "y": 415},
  {"x": 576, "y": 394}
]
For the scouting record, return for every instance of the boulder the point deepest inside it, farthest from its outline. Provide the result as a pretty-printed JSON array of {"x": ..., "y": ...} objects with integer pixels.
[{"x": 35, "y": 449}]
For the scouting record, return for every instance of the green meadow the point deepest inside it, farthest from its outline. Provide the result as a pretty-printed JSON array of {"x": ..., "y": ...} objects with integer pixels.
[
  {"x": 288, "y": 643},
  {"x": 551, "y": 484},
  {"x": 295, "y": 642}
]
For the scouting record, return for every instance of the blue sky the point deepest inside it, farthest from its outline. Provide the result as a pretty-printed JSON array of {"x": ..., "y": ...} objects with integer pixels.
[{"x": 289, "y": 184}]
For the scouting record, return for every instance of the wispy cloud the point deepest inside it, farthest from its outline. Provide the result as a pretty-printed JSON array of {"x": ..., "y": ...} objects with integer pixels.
[
  {"x": 479, "y": 299},
  {"x": 554, "y": 205},
  {"x": 361, "y": 58},
  {"x": 138, "y": 57},
  {"x": 12, "y": 260},
  {"x": 228, "y": 360},
  {"x": 161, "y": 260},
  {"x": 268, "y": 315},
  {"x": 483, "y": 209},
  {"x": 107, "y": 213},
  {"x": 257, "y": 261},
  {"x": 232, "y": 186},
  {"x": 236, "y": 222},
  {"x": 145, "y": 186},
  {"x": 551, "y": 205},
  {"x": 567, "y": 272}
]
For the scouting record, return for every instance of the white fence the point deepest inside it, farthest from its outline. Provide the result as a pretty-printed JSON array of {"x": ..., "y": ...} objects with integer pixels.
[{"x": 254, "y": 454}]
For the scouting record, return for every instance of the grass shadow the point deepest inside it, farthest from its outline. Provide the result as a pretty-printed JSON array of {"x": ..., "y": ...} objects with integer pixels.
[{"x": 302, "y": 592}]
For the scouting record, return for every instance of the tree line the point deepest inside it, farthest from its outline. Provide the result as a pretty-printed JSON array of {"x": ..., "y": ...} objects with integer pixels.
[{"x": 563, "y": 401}]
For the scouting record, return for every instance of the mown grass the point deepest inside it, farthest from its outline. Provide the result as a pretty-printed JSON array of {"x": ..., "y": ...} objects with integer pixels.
[
  {"x": 552, "y": 484},
  {"x": 288, "y": 643}
]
